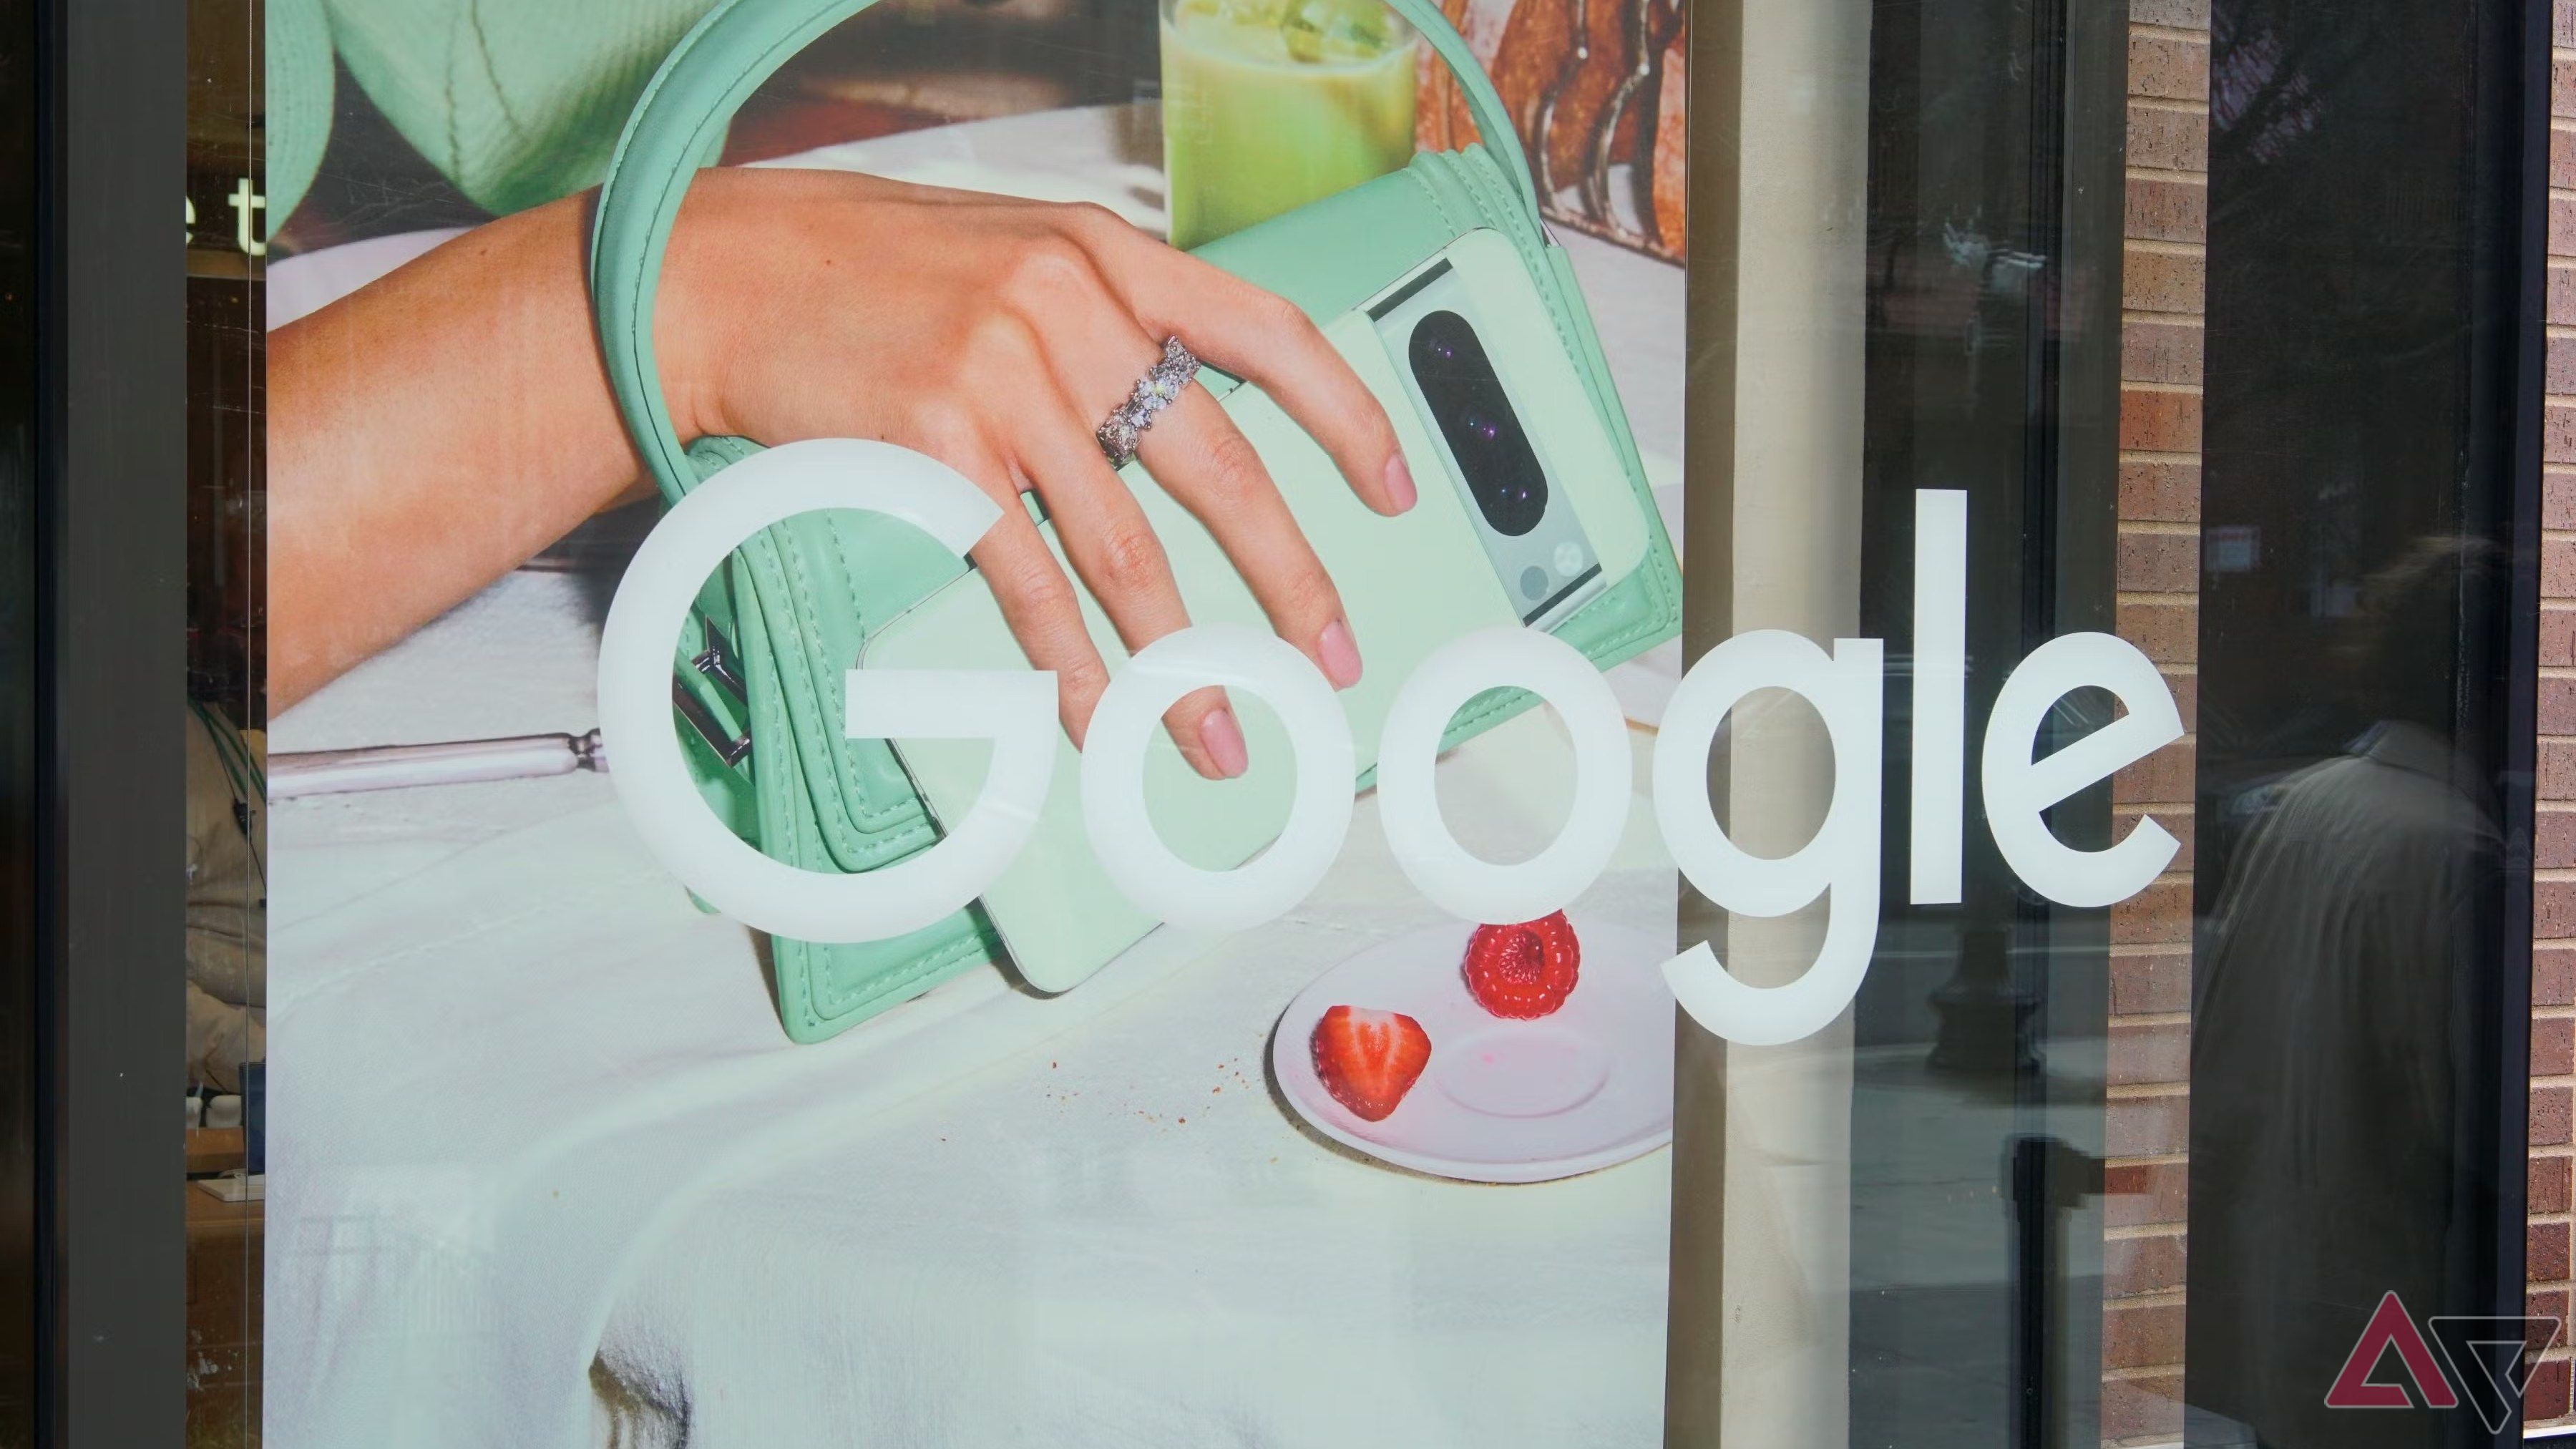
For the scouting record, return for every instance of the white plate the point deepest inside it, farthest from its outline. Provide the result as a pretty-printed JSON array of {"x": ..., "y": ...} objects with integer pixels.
[{"x": 1502, "y": 1101}]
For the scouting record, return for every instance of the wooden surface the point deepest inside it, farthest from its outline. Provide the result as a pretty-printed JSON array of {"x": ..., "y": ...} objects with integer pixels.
[
  {"x": 213, "y": 1149},
  {"x": 224, "y": 1255}
]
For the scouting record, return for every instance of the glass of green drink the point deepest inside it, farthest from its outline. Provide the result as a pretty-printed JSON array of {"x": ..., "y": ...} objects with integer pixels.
[{"x": 1270, "y": 104}]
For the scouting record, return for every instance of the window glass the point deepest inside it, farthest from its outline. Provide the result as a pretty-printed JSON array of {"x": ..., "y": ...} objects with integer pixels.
[{"x": 1233, "y": 720}]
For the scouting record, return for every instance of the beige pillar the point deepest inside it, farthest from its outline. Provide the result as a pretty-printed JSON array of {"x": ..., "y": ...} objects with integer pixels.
[{"x": 1780, "y": 102}]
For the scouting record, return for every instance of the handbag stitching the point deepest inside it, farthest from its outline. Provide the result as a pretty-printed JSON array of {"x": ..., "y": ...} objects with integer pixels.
[
  {"x": 782, "y": 564},
  {"x": 844, "y": 757},
  {"x": 1421, "y": 178},
  {"x": 807, "y": 968},
  {"x": 833, "y": 823},
  {"x": 965, "y": 950},
  {"x": 910, "y": 836},
  {"x": 825, "y": 987}
]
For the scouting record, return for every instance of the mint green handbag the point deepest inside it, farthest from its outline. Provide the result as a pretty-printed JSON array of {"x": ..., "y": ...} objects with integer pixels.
[{"x": 758, "y": 675}]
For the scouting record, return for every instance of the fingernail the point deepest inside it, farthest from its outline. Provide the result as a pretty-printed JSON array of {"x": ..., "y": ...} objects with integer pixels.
[
  {"x": 1341, "y": 656},
  {"x": 1399, "y": 484},
  {"x": 1222, "y": 738}
]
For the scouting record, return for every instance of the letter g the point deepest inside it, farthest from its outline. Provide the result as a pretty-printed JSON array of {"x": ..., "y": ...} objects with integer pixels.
[{"x": 1016, "y": 711}]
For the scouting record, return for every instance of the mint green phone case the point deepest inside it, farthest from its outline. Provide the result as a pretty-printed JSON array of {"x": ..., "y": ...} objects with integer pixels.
[
  {"x": 758, "y": 673},
  {"x": 1408, "y": 585}
]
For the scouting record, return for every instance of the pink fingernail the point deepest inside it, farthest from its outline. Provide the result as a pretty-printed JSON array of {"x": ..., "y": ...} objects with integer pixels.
[
  {"x": 1222, "y": 738},
  {"x": 1399, "y": 484},
  {"x": 1341, "y": 655}
]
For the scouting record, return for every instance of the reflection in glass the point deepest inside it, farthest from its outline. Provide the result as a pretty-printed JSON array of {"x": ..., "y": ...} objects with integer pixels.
[{"x": 2324, "y": 1014}]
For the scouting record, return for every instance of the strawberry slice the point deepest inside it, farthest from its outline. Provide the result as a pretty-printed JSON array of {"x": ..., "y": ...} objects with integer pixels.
[
  {"x": 1367, "y": 1059},
  {"x": 1525, "y": 970}
]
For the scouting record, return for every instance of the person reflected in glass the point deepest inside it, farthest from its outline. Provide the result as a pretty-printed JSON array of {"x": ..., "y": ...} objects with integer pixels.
[{"x": 2330, "y": 1039}]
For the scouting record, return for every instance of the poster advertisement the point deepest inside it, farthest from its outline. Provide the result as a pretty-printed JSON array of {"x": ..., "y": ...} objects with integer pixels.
[
  {"x": 1301, "y": 722},
  {"x": 920, "y": 660}
]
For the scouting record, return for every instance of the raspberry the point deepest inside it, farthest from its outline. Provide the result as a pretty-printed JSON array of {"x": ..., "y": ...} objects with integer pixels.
[{"x": 1523, "y": 971}]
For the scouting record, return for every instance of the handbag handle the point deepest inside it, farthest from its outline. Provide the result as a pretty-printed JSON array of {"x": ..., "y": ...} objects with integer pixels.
[{"x": 679, "y": 125}]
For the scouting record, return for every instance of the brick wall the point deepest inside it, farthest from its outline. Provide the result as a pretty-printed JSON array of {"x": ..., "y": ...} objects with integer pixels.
[
  {"x": 2553, "y": 977},
  {"x": 2158, "y": 582}
]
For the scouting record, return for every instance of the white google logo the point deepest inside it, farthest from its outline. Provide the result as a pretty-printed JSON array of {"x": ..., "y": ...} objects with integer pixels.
[{"x": 1016, "y": 712}]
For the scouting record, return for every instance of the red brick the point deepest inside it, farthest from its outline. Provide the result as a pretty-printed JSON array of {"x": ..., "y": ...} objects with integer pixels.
[
  {"x": 2558, "y": 434},
  {"x": 2166, "y": 633},
  {"x": 2139, "y": 1193},
  {"x": 2157, "y": 1053},
  {"x": 2135, "y": 1267},
  {"x": 2142, "y": 1408},
  {"x": 2168, "y": 67},
  {"x": 2164, "y": 208},
  {"x": 2553, "y": 1047},
  {"x": 2546, "y": 1184},
  {"x": 2159, "y": 563},
  {"x": 2562, "y": 159},
  {"x": 2557, "y": 770},
  {"x": 2562, "y": 23},
  {"x": 2562, "y": 279},
  {"x": 2163, "y": 778},
  {"x": 2551, "y": 1304},
  {"x": 2150, "y": 981},
  {"x": 2170, "y": 352},
  {"x": 2164, "y": 138},
  {"x": 2177, "y": 822},
  {"x": 2545, "y": 1397},
  {"x": 2141, "y": 1335},
  {"x": 2160, "y": 915},
  {"x": 2165, "y": 491},
  {"x": 2554, "y": 839},
  {"x": 2186, "y": 693},
  {"x": 2544, "y": 1253},
  {"x": 2562, "y": 87},
  {"x": 2553, "y": 910},
  {"x": 2557, "y": 636},
  {"x": 2561, "y": 376},
  {"x": 2557, "y": 707},
  {"x": 2155, "y": 420},
  {"x": 2157, "y": 281},
  {"x": 2553, "y": 976},
  {"x": 2562, "y": 227},
  {"x": 2557, "y": 486},
  {"x": 2146, "y": 1126},
  {"x": 2549, "y": 1122}
]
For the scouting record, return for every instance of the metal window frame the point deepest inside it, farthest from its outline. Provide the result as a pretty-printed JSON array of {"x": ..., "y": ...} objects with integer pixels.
[{"x": 111, "y": 509}]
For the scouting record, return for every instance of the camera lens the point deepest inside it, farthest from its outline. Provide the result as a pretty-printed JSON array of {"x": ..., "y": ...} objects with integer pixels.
[{"x": 1466, "y": 399}]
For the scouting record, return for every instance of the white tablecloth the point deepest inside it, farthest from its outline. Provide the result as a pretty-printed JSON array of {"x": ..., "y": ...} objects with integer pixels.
[{"x": 545, "y": 1170}]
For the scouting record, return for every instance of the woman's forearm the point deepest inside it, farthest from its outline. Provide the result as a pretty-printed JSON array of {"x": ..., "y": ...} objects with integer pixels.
[
  {"x": 427, "y": 434},
  {"x": 432, "y": 430}
]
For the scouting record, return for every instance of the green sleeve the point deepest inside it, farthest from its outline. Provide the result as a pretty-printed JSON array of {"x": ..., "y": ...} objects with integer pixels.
[{"x": 516, "y": 101}]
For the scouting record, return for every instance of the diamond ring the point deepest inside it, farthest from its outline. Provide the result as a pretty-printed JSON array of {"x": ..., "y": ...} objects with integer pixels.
[{"x": 1156, "y": 390}]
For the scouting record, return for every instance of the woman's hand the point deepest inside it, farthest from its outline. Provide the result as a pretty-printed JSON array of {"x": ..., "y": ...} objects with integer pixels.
[
  {"x": 996, "y": 335},
  {"x": 432, "y": 430}
]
